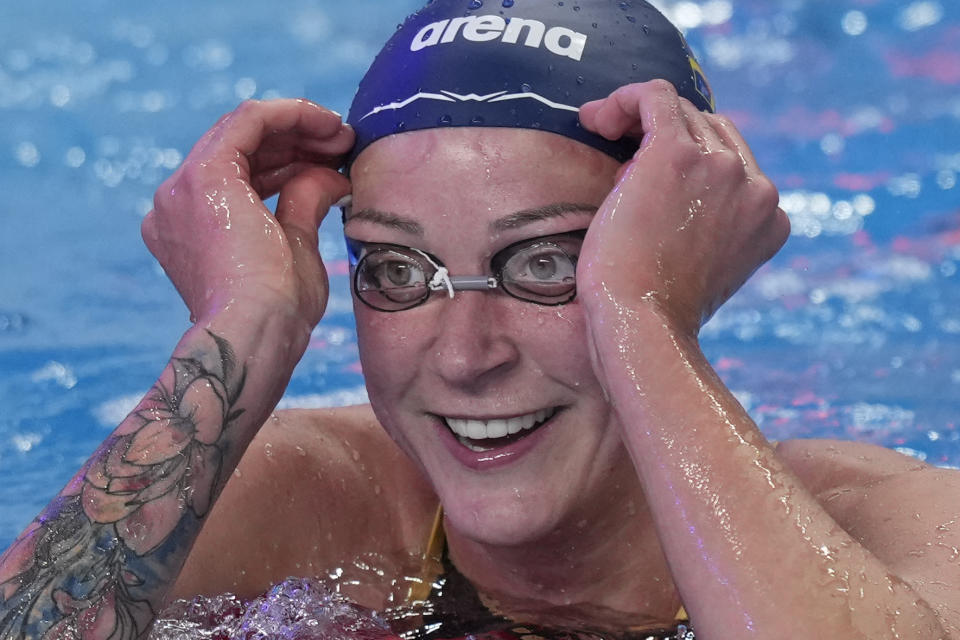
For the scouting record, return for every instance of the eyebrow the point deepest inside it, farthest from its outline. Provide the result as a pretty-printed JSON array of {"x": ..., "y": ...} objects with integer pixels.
[
  {"x": 511, "y": 221},
  {"x": 529, "y": 216},
  {"x": 386, "y": 219}
]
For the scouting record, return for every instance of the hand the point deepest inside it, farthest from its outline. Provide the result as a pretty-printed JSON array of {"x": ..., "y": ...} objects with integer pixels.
[
  {"x": 691, "y": 216},
  {"x": 212, "y": 233}
]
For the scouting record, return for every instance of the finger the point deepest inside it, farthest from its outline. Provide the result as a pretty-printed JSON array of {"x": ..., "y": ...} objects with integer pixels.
[
  {"x": 269, "y": 183},
  {"x": 588, "y": 114},
  {"x": 731, "y": 137},
  {"x": 329, "y": 152},
  {"x": 240, "y": 134},
  {"x": 253, "y": 121},
  {"x": 210, "y": 136},
  {"x": 637, "y": 110},
  {"x": 700, "y": 130},
  {"x": 267, "y": 161},
  {"x": 281, "y": 150},
  {"x": 298, "y": 140},
  {"x": 148, "y": 231},
  {"x": 237, "y": 135},
  {"x": 303, "y": 204}
]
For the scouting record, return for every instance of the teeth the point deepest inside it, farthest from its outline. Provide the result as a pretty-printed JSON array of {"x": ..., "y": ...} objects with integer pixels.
[
  {"x": 486, "y": 429},
  {"x": 474, "y": 447}
]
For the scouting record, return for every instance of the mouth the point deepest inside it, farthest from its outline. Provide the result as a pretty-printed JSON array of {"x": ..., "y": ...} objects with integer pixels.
[{"x": 485, "y": 435}]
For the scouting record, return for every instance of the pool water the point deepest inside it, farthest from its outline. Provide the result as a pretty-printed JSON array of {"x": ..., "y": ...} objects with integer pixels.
[{"x": 853, "y": 107}]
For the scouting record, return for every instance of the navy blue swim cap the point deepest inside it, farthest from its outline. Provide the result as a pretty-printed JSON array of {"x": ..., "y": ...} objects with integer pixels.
[{"x": 520, "y": 63}]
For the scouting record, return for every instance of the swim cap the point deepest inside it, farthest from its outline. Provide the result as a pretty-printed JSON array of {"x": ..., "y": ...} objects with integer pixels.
[{"x": 519, "y": 63}]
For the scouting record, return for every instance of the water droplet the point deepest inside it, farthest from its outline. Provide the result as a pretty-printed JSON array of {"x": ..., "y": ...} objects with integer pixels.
[
  {"x": 576, "y": 7},
  {"x": 355, "y": 455},
  {"x": 400, "y": 126},
  {"x": 646, "y": 29},
  {"x": 507, "y": 4},
  {"x": 526, "y": 88},
  {"x": 477, "y": 120},
  {"x": 268, "y": 450},
  {"x": 445, "y": 120},
  {"x": 595, "y": 25},
  {"x": 580, "y": 80},
  {"x": 476, "y": 4},
  {"x": 631, "y": 19}
]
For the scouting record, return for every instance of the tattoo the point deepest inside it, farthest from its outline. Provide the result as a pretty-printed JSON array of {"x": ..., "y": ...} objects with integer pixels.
[{"x": 96, "y": 563}]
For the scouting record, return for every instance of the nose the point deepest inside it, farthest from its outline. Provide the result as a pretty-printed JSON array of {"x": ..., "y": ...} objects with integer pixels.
[{"x": 474, "y": 347}]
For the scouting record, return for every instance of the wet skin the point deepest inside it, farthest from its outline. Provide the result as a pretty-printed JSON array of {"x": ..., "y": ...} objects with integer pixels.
[
  {"x": 649, "y": 483},
  {"x": 487, "y": 355}
]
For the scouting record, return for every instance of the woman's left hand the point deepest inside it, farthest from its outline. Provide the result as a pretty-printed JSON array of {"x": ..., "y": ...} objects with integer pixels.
[{"x": 691, "y": 216}]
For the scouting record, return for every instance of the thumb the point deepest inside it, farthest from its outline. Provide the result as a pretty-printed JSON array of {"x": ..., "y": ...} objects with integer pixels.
[{"x": 303, "y": 204}]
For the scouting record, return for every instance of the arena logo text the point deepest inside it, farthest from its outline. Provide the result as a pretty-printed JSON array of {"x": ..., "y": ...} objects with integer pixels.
[{"x": 558, "y": 40}]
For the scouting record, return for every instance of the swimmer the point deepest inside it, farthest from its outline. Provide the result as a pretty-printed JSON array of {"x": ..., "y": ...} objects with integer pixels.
[{"x": 542, "y": 213}]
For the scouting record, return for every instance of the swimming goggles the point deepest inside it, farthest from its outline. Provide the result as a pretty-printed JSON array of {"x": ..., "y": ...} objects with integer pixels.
[{"x": 392, "y": 277}]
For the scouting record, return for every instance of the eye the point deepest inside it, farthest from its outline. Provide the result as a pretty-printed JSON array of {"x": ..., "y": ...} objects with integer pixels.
[
  {"x": 544, "y": 263},
  {"x": 397, "y": 273},
  {"x": 541, "y": 270},
  {"x": 544, "y": 267},
  {"x": 387, "y": 276},
  {"x": 388, "y": 268}
]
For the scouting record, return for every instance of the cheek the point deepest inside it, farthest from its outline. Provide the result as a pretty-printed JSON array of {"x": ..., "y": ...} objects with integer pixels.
[
  {"x": 386, "y": 341},
  {"x": 561, "y": 344}
]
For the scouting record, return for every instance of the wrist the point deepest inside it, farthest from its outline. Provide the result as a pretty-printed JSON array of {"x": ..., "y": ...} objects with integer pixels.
[
  {"x": 612, "y": 316},
  {"x": 267, "y": 333}
]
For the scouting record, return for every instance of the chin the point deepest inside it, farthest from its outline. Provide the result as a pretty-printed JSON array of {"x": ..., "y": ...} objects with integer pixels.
[
  {"x": 503, "y": 520},
  {"x": 521, "y": 492}
]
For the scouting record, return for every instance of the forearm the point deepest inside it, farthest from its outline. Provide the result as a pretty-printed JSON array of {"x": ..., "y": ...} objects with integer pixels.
[
  {"x": 752, "y": 551},
  {"x": 103, "y": 554}
]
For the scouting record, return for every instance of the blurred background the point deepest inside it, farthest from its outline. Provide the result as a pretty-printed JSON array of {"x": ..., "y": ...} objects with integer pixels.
[{"x": 852, "y": 106}]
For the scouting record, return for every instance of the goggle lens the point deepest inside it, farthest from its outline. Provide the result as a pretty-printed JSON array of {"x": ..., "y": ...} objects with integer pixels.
[{"x": 391, "y": 277}]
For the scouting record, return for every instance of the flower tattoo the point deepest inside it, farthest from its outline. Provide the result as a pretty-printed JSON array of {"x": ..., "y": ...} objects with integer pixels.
[{"x": 82, "y": 568}]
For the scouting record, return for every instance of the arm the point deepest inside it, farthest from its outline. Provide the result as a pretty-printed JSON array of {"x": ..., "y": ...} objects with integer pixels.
[
  {"x": 99, "y": 560},
  {"x": 753, "y": 553}
]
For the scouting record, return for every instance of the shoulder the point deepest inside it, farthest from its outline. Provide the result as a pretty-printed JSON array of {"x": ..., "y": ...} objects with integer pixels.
[
  {"x": 904, "y": 511},
  {"x": 315, "y": 489},
  {"x": 824, "y": 465},
  {"x": 857, "y": 482},
  {"x": 343, "y": 462}
]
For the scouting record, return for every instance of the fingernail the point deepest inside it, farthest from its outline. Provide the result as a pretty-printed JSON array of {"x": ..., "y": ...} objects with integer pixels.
[{"x": 345, "y": 201}]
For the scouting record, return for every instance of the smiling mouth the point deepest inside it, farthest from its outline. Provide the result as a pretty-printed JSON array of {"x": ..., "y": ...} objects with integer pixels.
[{"x": 484, "y": 435}]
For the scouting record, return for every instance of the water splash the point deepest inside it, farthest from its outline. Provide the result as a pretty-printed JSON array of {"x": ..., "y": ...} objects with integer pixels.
[{"x": 295, "y": 609}]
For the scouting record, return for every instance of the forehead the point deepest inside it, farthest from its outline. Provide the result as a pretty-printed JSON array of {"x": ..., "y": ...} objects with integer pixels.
[{"x": 500, "y": 167}]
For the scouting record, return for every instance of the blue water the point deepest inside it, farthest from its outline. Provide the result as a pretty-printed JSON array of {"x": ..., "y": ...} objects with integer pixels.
[{"x": 853, "y": 107}]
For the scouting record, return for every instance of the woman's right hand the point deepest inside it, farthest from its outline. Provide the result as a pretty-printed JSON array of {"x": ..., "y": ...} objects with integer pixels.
[{"x": 213, "y": 235}]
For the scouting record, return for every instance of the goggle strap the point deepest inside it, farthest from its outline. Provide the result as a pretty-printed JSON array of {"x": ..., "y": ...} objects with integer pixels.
[{"x": 441, "y": 280}]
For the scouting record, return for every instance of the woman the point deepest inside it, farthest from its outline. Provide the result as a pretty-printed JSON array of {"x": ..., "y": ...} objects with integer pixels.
[{"x": 528, "y": 292}]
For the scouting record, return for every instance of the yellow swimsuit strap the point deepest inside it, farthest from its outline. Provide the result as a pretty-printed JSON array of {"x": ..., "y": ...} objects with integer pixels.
[
  {"x": 431, "y": 567},
  {"x": 430, "y": 563}
]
